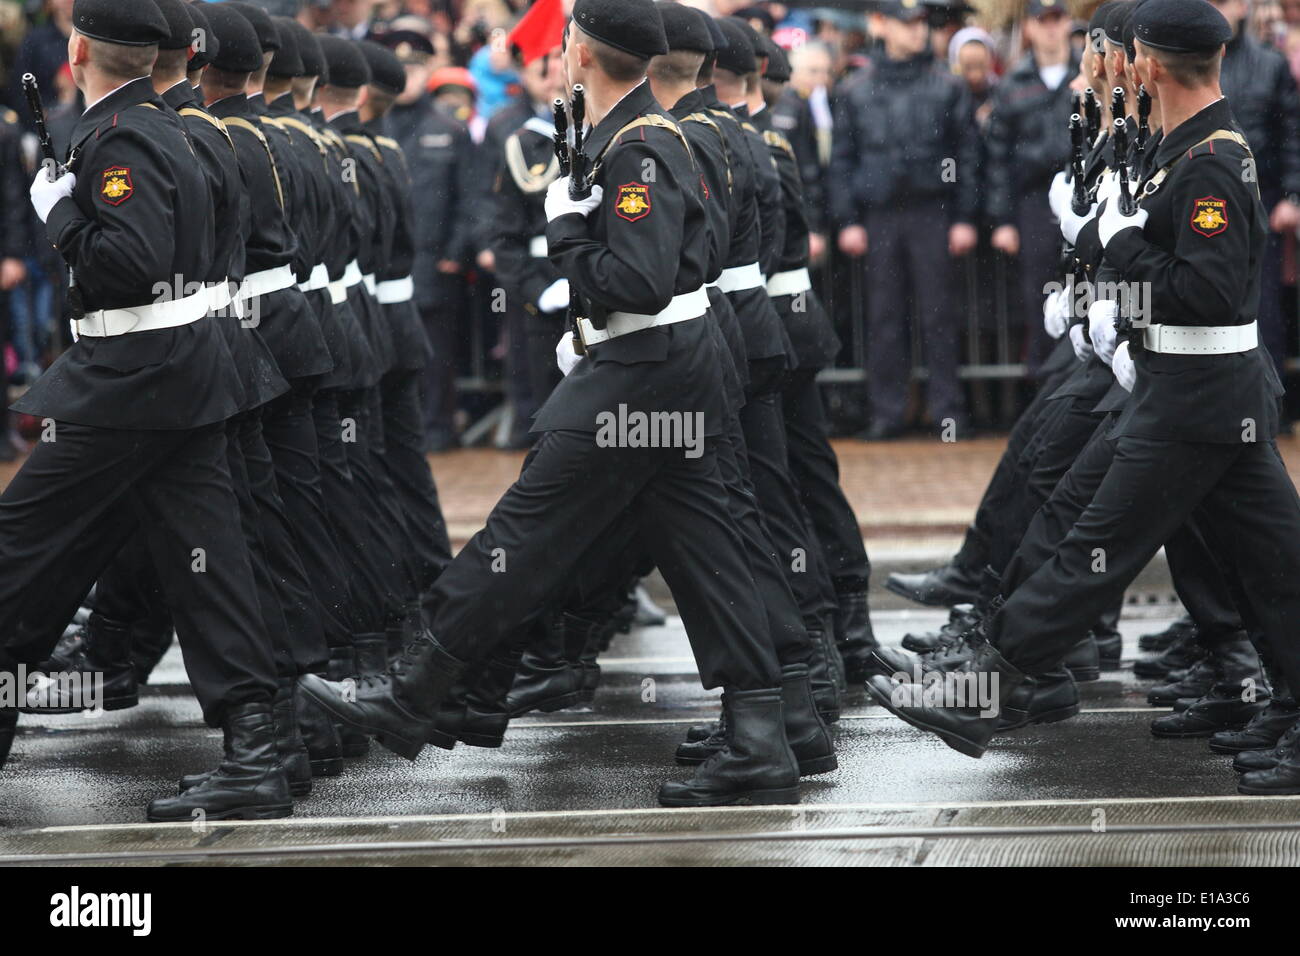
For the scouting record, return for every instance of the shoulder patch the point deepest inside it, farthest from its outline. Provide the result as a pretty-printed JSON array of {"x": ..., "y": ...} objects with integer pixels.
[
  {"x": 1210, "y": 215},
  {"x": 117, "y": 187},
  {"x": 633, "y": 201}
]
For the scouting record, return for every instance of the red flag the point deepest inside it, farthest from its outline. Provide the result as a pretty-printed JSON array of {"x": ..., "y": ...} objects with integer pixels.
[{"x": 540, "y": 30}]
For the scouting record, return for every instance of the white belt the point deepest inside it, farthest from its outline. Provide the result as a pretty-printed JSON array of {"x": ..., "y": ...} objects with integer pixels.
[
  {"x": 740, "y": 278},
  {"x": 267, "y": 281},
  {"x": 369, "y": 280},
  {"x": 145, "y": 318},
  {"x": 682, "y": 308},
  {"x": 1200, "y": 339},
  {"x": 395, "y": 291},
  {"x": 352, "y": 274},
  {"x": 338, "y": 292},
  {"x": 537, "y": 247},
  {"x": 320, "y": 279},
  {"x": 219, "y": 295},
  {"x": 789, "y": 283}
]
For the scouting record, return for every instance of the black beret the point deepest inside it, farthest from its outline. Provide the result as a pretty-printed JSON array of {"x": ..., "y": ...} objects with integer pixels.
[
  {"x": 386, "y": 70},
  {"x": 715, "y": 32},
  {"x": 902, "y": 9},
  {"x": 206, "y": 43},
  {"x": 1117, "y": 16},
  {"x": 737, "y": 53},
  {"x": 239, "y": 51},
  {"x": 1130, "y": 48},
  {"x": 1181, "y": 26},
  {"x": 180, "y": 25},
  {"x": 410, "y": 46},
  {"x": 282, "y": 8},
  {"x": 633, "y": 26},
  {"x": 262, "y": 25},
  {"x": 313, "y": 63},
  {"x": 287, "y": 61},
  {"x": 685, "y": 28},
  {"x": 759, "y": 14},
  {"x": 124, "y": 22},
  {"x": 344, "y": 63},
  {"x": 778, "y": 64}
]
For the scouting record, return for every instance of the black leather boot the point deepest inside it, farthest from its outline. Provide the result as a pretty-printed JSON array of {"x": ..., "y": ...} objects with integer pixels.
[
  {"x": 582, "y": 645},
  {"x": 342, "y": 665},
  {"x": 151, "y": 638},
  {"x": 321, "y": 735},
  {"x": 1195, "y": 684},
  {"x": 1249, "y": 760},
  {"x": 1180, "y": 629},
  {"x": 545, "y": 680},
  {"x": 941, "y": 587},
  {"x": 487, "y": 714},
  {"x": 854, "y": 636},
  {"x": 1185, "y": 651},
  {"x": 105, "y": 650},
  {"x": 698, "y": 732},
  {"x": 1084, "y": 662},
  {"x": 825, "y": 693},
  {"x": 696, "y": 750},
  {"x": 648, "y": 613},
  {"x": 451, "y": 711},
  {"x": 1282, "y": 779},
  {"x": 1042, "y": 699},
  {"x": 756, "y": 767},
  {"x": 401, "y": 632},
  {"x": 1237, "y": 674},
  {"x": 1263, "y": 731},
  {"x": 1110, "y": 644},
  {"x": 250, "y": 783},
  {"x": 398, "y": 707},
  {"x": 960, "y": 619},
  {"x": 961, "y": 724}
]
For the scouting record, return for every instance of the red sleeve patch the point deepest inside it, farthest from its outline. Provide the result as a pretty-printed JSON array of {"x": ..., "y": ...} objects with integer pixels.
[
  {"x": 633, "y": 201},
  {"x": 1210, "y": 216},
  {"x": 117, "y": 187}
]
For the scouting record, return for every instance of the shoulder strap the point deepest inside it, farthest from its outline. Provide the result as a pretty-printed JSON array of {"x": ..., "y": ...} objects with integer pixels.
[
  {"x": 528, "y": 181},
  {"x": 389, "y": 143},
  {"x": 777, "y": 141},
  {"x": 305, "y": 129},
  {"x": 359, "y": 140},
  {"x": 650, "y": 119},
  {"x": 205, "y": 115},
  {"x": 706, "y": 120},
  {"x": 238, "y": 122},
  {"x": 1203, "y": 148}
]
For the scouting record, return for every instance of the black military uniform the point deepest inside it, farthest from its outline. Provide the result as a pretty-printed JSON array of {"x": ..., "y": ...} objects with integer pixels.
[
  {"x": 637, "y": 257},
  {"x": 905, "y": 162},
  {"x": 1195, "y": 434},
  {"x": 138, "y": 403}
]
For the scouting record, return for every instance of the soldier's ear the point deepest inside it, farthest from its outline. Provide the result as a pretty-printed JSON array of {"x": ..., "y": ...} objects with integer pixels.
[{"x": 78, "y": 50}]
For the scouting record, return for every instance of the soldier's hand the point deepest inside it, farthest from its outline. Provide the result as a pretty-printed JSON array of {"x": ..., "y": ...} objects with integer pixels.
[
  {"x": 555, "y": 297},
  {"x": 45, "y": 194},
  {"x": 962, "y": 238},
  {"x": 566, "y": 359},
  {"x": 1007, "y": 239},
  {"x": 1101, "y": 328},
  {"x": 1079, "y": 339},
  {"x": 853, "y": 241},
  {"x": 12, "y": 273},
  {"x": 1061, "y": 194},
  {"x": 1122, "y": 365},
  {"x": 1111, "y": 222},
  {"x": 1056, "y": 313},
  {"x": 559, "y": 204}
]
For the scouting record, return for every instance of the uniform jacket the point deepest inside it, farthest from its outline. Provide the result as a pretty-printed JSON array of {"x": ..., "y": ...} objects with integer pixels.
[
  {"x": 899, "y": 127},
  {"x": 1200, "y": 252},
  {"x": 647, "y": 243},
  {"x": 139, "y": 217}
]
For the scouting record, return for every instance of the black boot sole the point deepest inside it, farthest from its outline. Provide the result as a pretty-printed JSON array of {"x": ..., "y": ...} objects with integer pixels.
[
  {"x": 327, "y": 767},
  {"x": 908, "y": 643},
  {"x": 301, "y": 788},
  {"x": 959, "y": 744},
  {"x": 275, "y": 811},
  {"x": 402, "y": 746},
  {"x": 1192, "y": 734},
  {"x": 1084, "y": 675},
  {"x": 1261, "y": 792},
  {"x": 745, "y": 798},
  {"x": 443, "y": 740},
  {"x": 1234, "y": 749},
  {"x": 817, "y": 765},
  {"x": 550, "y": 705},
  {"x": 481, "y": 740},
  {"x": 1049, "y": 717}
]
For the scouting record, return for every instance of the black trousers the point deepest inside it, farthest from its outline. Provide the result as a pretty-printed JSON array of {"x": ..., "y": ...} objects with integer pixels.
[
  {"x": 1242, "y": 495},
  {"x": 77, "y": 500},
  {"x": 569, "y": 495},
  {"x": 909, "y": 270},
  {"x": 816, "y": 473}
]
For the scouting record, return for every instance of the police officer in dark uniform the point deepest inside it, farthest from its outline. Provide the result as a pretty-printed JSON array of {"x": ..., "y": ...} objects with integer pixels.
[
  {"x": 636, "y": 251},
  {"x": 1196, "y": 434},
  {"x": 140, "y": 402}
]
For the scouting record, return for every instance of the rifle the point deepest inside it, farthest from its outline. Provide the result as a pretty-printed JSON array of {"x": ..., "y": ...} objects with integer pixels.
[
  {"x": 1144, "y": 124},
  {"x": 561, "y": 135},
  {"x": 1092, "y": 113},
  {"x": 574, "y": 165},
  {"x": 1127, "y": 206},
  {"x": 1079, "y": 201},
  {"x": 54, "y": 169}
]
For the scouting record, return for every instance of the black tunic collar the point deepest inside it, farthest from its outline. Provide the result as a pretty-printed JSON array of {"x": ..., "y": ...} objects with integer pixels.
[
  {"x": 348, "y": 123},
  {"x": 236, "y": 105},
  {"x": 131, "y": 94},
  {"x": 1217, "y": 115},
  {"x": 180, "y": 96},
  {"x": 692, "y": 102},
  {"x": 637, "y": 102}
]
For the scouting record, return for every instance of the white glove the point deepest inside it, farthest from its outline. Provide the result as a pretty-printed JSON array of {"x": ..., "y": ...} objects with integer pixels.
[
  {"x": 1112, "y": 223},
  {"x": 1082, "y": 348},
  {"x": 1107, "y": 186},
  {"x": 1122, "y": 365},
  {"x": 565, "y": 357},
  {"x": 1060, "y": 195},
  {"x": 1056, "y": 313},
  {"x": 559, "y": 204},
  {"x": 1101, "y": 328},
  {"x": 1072, "y": 224},
  {"x": 46, "y": 194},
  {"x": 555, "y": 298}
]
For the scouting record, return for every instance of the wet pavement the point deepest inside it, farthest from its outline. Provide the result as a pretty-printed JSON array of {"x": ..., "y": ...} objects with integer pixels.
[{"x": 579, "y": 786}]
